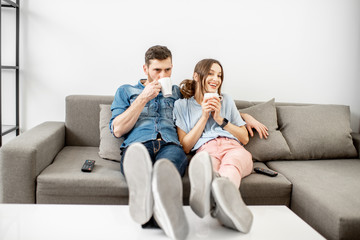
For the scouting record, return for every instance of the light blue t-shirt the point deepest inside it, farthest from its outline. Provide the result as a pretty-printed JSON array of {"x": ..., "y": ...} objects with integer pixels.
[{"x": 187, "y": 113}]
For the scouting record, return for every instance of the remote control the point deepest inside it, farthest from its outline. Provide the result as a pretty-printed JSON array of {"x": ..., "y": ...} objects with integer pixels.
[
  {"x": 265, "y": 171},
  {"x": 88, "y": 166}
]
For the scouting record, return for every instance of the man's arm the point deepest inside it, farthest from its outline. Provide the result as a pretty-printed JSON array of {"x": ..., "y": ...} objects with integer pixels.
[{"x": 124, "y": 122}]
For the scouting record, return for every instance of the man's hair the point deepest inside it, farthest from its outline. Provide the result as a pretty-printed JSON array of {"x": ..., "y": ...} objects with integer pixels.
[{"x": 157, "y": 52}]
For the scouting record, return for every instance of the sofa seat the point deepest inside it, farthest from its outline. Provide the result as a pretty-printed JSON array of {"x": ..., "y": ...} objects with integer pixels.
[
  {"x": 259, "y": 189},
  {"x": 325, "y": 194},
  {"x": 63, "y": 182}
]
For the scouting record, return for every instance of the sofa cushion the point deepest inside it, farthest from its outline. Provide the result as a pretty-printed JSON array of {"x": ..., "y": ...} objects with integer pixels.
[
  {"x": 259, "y": 189},
  {"x": 325, "y": 194},
  {"x": 275, "y": 146},
  {"x": 356, "y": 141},
  {"x": 82, "y": 119},
  {"x": 64, "y": 182},
  {"x": 109, "y": 147},
  {"x": 317, "y": 131}
]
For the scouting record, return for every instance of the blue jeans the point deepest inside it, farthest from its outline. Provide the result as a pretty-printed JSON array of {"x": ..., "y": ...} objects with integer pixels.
[{"x": 159, "y": 149}]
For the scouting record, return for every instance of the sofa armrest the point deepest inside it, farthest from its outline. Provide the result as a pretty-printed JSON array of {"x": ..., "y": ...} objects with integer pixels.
[
  {"x": 23, "y": 158},
  {"x": 356, "y": 141}
]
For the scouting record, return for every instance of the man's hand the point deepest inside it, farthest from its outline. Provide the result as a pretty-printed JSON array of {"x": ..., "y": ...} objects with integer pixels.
[{"x": 151, "y": 90}]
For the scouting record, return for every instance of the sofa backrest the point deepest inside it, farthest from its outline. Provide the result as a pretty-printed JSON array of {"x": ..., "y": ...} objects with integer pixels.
[
  {"x": 241, "y": 104},
  {"x": 82, "y": 119},
  {"x": 299, "y": 131}
]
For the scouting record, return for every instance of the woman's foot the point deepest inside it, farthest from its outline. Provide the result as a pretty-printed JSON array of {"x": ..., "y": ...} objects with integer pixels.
[
  {"x": 230, "y": 209},
  {"x": 201, "y": 176}
]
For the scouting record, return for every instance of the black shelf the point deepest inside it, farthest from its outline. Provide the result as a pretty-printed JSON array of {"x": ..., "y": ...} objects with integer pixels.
[
  {"x": 9, "y": 67},
  {"x": 9, "y": 3},
  {"x": 6, "y": 129}
]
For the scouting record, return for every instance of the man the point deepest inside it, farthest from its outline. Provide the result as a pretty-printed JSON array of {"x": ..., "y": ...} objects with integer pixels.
[{"x": 152, "y": 157}]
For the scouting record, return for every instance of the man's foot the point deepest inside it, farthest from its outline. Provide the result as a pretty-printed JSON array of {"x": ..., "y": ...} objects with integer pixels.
[
  {"x": 138, "y": 174},
  {"x": 167, "y": 192},
  {"x": 230, "y": 209},
  {"x": 201, "y": 176}
]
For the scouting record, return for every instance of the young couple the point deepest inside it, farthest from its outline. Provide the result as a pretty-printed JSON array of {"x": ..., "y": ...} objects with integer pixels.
[{"x": 157, "y": 132}]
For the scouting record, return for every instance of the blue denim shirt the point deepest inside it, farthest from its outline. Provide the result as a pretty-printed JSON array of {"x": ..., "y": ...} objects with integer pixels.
[{"x": 156, "y": 117}]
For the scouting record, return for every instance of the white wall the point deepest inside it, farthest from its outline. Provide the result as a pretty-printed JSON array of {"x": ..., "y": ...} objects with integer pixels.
[{"x": 296, "y": 51}]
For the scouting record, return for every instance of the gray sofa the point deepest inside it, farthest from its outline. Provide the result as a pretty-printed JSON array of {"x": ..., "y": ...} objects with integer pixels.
[{"x": 311, "y": 146}]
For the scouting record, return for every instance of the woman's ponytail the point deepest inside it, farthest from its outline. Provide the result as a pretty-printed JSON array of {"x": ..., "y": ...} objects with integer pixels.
[{"x": 187, "y": 88}]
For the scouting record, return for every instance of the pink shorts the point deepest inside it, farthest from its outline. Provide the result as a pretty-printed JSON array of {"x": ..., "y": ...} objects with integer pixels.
[{"x": 229, "y": 158}]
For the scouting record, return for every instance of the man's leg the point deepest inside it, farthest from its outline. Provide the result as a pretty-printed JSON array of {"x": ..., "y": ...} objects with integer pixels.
[
  {"x": 167, "y": 192},
  {"x": 170, "y": 164},
  {"x": 148, "y": 145},
  {"x": 175, "y": 154},
  {"x": 137, "y": 167}
]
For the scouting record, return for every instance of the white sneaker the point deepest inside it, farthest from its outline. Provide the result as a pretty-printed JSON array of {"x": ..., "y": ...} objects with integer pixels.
[
  {"x": 168, "y": 197},
  {"x": 138, "y": 174},
  {"x": 201, "y": 176},
  {"x": 230, "y": 209}
]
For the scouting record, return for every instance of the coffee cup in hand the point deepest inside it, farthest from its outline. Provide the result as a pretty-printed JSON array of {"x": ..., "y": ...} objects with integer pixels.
[
  {"x": 166, "y": 86},
  {"x": 212, "y": 95}
]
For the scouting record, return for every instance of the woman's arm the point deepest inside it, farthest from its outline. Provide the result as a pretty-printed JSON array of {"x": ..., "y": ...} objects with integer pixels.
[
  {"x": 239, "y": 132},
  {"x": 188, "y": 140},
  {"x": 253, "y": 123}
]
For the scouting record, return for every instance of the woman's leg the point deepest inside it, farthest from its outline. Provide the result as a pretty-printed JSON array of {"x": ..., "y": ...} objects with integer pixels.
[
  {"x": 233, "y": 162},
  {"x": 236, "y": 163},
  {"x": 212, "y": 148}
]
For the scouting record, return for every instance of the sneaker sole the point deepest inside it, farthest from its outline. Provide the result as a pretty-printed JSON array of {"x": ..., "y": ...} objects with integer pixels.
[
  {"x": 138, "y": 171},
  {"x": 167, "y": 192},
  {"x": 231, "y": 209},
  {"x": 200, "y": 175}
]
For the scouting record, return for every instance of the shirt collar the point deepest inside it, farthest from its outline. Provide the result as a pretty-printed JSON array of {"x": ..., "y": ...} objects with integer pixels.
[
  {"x": 192, "y": 100},
  {"x": 140, "y": 85}
]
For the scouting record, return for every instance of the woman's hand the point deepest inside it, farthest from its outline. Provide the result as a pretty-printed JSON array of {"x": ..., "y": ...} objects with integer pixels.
[
  {"x": 207, "y": 106},
  {"x": 216, "y": 108},
  {"x": 188, "y": 140},
  {"x": 253, "y": 123}
]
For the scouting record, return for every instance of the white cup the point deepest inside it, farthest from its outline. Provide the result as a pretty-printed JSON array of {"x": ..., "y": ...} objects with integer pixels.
[
  {"x": 166, "y": 86},
  {"x": 212, "y": 95}
]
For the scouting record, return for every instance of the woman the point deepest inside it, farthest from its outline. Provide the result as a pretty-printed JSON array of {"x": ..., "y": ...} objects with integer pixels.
[{"x": 214, "y": 129}]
